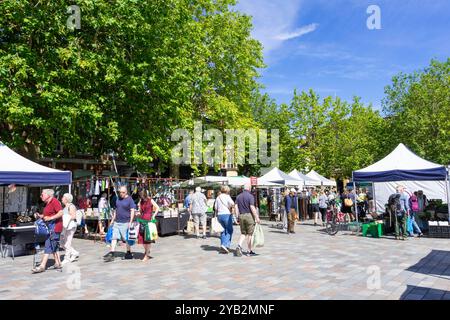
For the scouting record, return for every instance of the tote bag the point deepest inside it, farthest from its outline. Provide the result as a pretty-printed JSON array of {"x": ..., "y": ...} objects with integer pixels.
[
  {"x": 216, "y": 227},
  {"x": 258, "y": 236}
]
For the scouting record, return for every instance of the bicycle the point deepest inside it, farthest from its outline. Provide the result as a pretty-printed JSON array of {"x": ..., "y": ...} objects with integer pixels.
[{"x": 336, "y": 220}]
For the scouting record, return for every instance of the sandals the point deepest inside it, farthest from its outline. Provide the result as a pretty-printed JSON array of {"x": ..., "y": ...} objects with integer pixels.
[{"x": 38, "y": 270}]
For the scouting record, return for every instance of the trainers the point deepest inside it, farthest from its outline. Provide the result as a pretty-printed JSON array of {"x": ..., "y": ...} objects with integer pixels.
[
  {"x": 238, "y": 252},
  {"x": 109, "y": 257},
  {"x": 251, "y": 254},
  {"x": 224, "y": 249},
  {"x": 128, "y": 256},
  {"x": 204, "y": 237}
]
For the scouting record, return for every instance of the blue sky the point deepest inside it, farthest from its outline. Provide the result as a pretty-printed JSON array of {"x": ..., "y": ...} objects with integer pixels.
[{"x": 326, "y": 44}]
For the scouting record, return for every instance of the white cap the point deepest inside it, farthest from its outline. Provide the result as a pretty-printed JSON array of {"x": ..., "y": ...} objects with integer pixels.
[{"x": 293, "y": 190}]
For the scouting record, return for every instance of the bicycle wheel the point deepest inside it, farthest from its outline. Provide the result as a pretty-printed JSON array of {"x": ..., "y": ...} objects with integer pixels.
[{"x": 332, "y": 226}]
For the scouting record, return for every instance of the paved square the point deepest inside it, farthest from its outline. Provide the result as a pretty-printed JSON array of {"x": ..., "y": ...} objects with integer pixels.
[{"x": 307, "y": 265}]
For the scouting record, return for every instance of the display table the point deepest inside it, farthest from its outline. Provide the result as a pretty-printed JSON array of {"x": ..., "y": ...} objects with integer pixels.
[
  {"x": 170, "y": 225},
  {"x": 11, "y": 236}
]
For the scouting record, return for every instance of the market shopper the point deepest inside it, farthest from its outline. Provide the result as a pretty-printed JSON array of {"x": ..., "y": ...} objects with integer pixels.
[
  {"x": 414, "y": 207},
  {"x": 323, "y": 206},
  {"x": 187, "y": 200},
  {"x": 52, "y": 215},
  {"x": 245, "y": 208},
  {"x": 402, "y": 212},
  {"x": 198, "y": 209},
  {"x": 103, "y": 210},
  {"x": 148, "y": 208},
  {"x": 224, "y": 209},
  {"x": 291, "y": 208},
  {"x": 315, "y": 207},
  {"x": 121, "y": 222},
  {"x": 347, "y": 204},
  {"x": 69, "y": 228}
]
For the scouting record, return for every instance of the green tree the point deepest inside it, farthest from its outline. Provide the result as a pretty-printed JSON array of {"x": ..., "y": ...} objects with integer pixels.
[
  {"x": 417, "y": 107},
  {"x": 134, "y": 72}
]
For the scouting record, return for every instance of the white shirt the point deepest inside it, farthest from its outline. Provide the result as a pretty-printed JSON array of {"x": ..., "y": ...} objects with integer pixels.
[{"x": 223, "y": 204}]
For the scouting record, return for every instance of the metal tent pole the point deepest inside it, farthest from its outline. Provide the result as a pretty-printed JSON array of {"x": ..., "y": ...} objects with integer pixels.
[
  {"x": 447, "y": 191},
  {"x": 354, "y": 190}
]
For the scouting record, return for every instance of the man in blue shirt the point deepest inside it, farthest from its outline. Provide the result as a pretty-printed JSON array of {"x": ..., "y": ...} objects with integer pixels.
[
  {"x": 121, "y": 222},
  {"x": 187, "y": 200},
  {"x": 402, "y": 215}
]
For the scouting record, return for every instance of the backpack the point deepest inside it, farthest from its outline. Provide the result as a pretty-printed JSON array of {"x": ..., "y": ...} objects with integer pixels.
[
  {"x": 394, "y": 202},
  {"x": 414, "y": 203}
]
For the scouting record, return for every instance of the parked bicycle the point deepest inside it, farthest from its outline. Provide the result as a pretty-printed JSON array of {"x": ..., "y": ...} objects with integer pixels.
[{"x": 336, "y": 220}]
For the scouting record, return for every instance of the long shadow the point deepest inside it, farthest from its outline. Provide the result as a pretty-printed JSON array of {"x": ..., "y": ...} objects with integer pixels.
[
  {"x": 282, "y": 232},
  {"x": 436, "y": 263},
  {"x": 423, "y": 293}
]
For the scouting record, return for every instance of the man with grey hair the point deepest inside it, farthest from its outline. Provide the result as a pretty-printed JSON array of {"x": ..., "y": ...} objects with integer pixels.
[
  {"x": 198, "y": 207},
  {"x": 52, "y": 215},
  {"x": 402, "y": 214},
  {"x": 245, "y": 208},
  {"x": 121, "y": 222}
]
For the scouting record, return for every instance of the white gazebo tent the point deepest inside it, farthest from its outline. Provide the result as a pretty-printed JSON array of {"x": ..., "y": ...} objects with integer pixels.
[
  {"x": 323, "y": 181},
  {"x": 276, "y": 177},
  {"x": 15, "y": 169},
  {"x": 404, "y": 167},
  {"x": 307, "y": 181}
]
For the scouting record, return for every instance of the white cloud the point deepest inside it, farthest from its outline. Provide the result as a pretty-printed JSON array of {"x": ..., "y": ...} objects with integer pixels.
[
  {"x": 297, "y": 33},
  {"x": 273, "y": 21}
]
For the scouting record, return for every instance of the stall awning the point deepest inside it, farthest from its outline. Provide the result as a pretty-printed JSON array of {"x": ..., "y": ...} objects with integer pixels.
[
  {"x": 15, "y": 169},
  {"x": 401, "y": 165}
]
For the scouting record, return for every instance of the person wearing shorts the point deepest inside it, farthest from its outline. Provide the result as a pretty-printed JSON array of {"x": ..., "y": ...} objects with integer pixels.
[
  {"x": 52, "y": 215},
  {"x": 245, "y": 208},
  {"x": 121, "y": 221},
  {"x": 198, "y": 209}
]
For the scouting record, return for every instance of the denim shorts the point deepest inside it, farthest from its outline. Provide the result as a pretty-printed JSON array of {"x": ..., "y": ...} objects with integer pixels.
[{"x": 120, "y": 230}]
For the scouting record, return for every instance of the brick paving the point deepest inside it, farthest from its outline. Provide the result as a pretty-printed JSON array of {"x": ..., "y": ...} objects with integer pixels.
[{"x": 307, "y": 265}]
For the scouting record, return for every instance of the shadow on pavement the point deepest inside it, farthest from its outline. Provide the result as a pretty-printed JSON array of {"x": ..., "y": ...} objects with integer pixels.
[{"x": 423, "y": 293}]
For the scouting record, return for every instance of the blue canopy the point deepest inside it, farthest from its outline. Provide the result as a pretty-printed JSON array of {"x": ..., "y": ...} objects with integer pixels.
[
  {"x": 401, "y": 165},
  {"x": 15, "y": 169}
]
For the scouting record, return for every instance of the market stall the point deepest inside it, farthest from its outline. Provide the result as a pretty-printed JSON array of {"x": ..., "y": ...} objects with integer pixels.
[
  {"x": 404, "y": 167},
  {"x": 323, "y": 181},
  {"x": 17, "y": 170},
  {"x": 307, "y": 181}
]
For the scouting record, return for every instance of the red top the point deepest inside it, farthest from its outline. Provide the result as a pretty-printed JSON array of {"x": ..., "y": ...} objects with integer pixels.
[
  {"x": 146, "y": 209},
  {"x": 52, "y": 208}
]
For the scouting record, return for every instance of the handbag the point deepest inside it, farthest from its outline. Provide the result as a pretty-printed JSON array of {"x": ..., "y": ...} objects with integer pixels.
[
  {"x": 258, "y": 236},
  {"x": 348, "y": 202},
  {"x": 216, "y": 227}
]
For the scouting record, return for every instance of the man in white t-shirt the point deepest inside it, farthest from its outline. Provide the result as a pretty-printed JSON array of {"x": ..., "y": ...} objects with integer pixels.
[{"x": 223, "y": 206}]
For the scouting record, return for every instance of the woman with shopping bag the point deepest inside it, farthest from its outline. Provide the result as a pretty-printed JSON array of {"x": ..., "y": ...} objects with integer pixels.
[
  {"x": 223, "y": 207},
  {"x": 148, "y": 208}
]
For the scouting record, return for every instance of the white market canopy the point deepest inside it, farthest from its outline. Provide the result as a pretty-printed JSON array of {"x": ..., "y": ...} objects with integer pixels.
[
  {"x": 15, "y": 169},
  {"x": 276, "y": 177},
  {"x": 401, "y": 165},
  {"x": 307, "y": 181},
  {"x": 323, "y": 181}
]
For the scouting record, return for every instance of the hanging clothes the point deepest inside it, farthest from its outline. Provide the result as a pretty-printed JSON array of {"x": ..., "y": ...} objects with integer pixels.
[{"x": 97, "y": 188}]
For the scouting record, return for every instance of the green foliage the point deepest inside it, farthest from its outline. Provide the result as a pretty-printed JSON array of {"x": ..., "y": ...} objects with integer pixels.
[{"x": 134, "y": 72}]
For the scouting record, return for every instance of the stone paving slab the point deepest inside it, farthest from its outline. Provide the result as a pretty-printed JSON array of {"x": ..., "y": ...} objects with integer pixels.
[{"x": 307, "y": 265}]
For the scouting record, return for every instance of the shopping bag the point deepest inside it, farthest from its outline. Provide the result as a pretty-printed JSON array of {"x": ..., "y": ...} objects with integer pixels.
[
  {"x": 109, "y": 235},
  {"x": 132, "y": 233},
  {"x": 153, "y": 230},
  {"x": 409, "y": 226},
  {"x": 216, "y": 227},
  {"x": 41, "y": 228},
  {"x": 258, "y": 236},
  {"x": 190, "y": 227}
]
